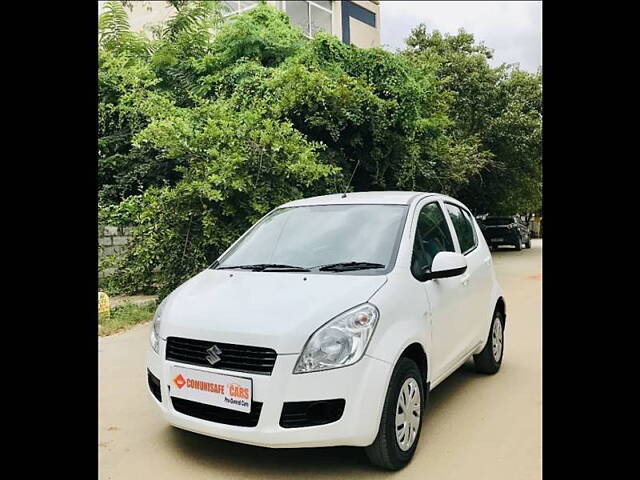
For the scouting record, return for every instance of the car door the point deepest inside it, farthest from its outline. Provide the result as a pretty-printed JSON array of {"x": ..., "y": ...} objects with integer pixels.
[
  {"x": 476, "y": 280},
  {"x": 445, "y": 296}
]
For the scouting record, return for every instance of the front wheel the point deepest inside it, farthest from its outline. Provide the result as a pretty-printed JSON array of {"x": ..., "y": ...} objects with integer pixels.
[
  {"x": 490, "y": 358},
  {"x": 518, "y": 244},
  {"x": 528, "y": 244},
  {"x": 400, "y": 424}
]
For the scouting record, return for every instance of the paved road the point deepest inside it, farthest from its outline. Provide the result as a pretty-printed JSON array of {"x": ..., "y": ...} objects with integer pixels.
[{"x": 477, "y": 427}]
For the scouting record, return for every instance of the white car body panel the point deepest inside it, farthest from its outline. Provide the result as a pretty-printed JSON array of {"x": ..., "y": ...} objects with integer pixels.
[
  {"x": 449, "y": 318},
  {"x": 276, "y": 309}
]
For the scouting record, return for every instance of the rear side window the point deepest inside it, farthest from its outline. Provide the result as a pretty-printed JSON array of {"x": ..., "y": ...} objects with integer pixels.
[
  {"x": 463, "y": 226},
  {"x": 432, "y": 236}
]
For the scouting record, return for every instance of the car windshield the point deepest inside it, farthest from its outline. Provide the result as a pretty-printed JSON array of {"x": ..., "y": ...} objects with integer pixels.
[
  {"x": 497, "y": 220},
  {"x": 321, "y": 236}
]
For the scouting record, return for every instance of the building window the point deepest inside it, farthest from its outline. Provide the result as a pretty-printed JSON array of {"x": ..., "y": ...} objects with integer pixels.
[
  {"x": 353, "y": 10},
  {"x": 362, "y": 14},
  {"x": 231, "y": 7},
  {"x": 312, "y": 17}
]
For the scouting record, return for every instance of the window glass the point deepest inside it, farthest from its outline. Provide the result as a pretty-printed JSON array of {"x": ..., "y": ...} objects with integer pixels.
[
  {"x": 309, "y": 16},
  {"x": 320, "y": 20},
  {"x": 229, "y": 6},
  {"x": 312, "y": 236},
  {"x": 497, "y": 221},
  {"x": 323, "y": 3},
  {"x": 299, "y": 14},
  {"x": 232, "y": 6},
  {"x": 463, "y": 227},
  {"x": 362, "y": 14},
  {"x": 473, "y": 228},
  {"x": 432, "y": 236}
]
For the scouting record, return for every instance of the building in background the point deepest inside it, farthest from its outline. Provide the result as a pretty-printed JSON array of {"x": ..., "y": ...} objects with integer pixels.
[{"x": 353, "y": 22}]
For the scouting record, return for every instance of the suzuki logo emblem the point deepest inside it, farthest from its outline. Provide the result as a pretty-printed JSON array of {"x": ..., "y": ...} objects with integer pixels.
[{"x": 213, "y": 354}]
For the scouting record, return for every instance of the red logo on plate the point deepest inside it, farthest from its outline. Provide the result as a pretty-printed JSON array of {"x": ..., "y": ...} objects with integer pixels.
[{"x": 179, "y": 381}]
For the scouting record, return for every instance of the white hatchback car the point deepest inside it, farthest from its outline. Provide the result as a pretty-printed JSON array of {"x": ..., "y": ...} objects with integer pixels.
[{"x": 328, "y": 322}]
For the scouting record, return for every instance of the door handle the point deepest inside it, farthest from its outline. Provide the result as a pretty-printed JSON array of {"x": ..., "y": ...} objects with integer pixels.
[{"x": 465, "y": 279}]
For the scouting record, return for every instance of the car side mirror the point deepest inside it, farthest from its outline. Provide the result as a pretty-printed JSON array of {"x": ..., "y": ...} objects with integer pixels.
[{"x": 446, "y": 265}]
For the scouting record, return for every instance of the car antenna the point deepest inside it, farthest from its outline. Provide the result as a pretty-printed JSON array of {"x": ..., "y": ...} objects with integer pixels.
[{"x": 344, "y": 195}]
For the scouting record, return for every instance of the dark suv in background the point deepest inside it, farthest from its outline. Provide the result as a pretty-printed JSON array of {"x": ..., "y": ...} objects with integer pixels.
[{"x": 505, "y": 230}]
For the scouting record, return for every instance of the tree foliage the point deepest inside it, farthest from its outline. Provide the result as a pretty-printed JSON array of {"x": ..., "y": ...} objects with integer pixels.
[
  {"x": 501, "y": 108},
  {"x": 209, "y": 124}
]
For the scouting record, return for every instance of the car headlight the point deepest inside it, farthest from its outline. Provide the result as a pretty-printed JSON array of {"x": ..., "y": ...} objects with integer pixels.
[
  {"x": 340, "y": 342},
  {"x": 154, "y": 335}
]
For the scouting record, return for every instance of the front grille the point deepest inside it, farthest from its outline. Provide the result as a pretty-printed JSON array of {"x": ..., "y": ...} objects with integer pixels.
[
  {"x": 306, "y": 414},
  {"x": 218, "y": 414},
  {"x": 154, "y": 385},
  {"x": 239, "y": 358}
]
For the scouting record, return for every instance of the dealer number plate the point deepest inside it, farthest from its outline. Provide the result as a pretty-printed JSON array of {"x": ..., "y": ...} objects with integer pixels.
[{"x": 226, "y": 391}]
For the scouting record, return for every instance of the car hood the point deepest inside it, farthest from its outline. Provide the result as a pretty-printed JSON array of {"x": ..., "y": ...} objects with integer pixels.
[{"x": 266, "y": 309}]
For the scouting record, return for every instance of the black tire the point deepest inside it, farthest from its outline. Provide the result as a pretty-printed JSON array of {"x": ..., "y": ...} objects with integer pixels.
[
  {"x": 385, "y": 451},
  {"x": 528, "y": 244},
  {"x": 485, "y": 361},
  {"x": 518, "y": 244}
]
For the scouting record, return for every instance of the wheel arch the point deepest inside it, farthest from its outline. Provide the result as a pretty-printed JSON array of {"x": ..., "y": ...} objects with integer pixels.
[
  {"x": 415, "y": 351},
  {"x": 496, "y": 302},
  {"x": 501, "y": 307}
]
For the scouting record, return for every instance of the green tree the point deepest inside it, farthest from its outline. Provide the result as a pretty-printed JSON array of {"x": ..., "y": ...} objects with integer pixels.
[
  {"x": 500, "y": 108},
  {"x": 130, "y": 66},
  {"x": 513, "y": 182},
  {"x": 124, "y": 74}
]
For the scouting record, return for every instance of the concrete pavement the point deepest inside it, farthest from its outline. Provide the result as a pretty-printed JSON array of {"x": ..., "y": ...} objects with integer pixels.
[{"x": 476, "y": 427}]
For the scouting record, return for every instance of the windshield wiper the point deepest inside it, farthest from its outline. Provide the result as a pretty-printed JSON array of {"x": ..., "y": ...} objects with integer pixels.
[
  {"x": 261, "y": 267},
  {"x": 349, "y": 266}
]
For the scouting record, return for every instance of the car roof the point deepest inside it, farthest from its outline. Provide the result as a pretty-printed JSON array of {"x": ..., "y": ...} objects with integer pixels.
[{"x": 389, "y": 198}]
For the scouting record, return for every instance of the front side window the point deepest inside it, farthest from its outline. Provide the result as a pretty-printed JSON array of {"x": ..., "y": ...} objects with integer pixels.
[
  {"x": 464, "y": 228},
  {"x": 312, "y": 17},
  {"x": 432, "y": 236},
  {"x": 315, "y": 236}
]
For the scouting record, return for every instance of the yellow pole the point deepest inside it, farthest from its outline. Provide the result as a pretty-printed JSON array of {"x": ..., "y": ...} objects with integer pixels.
[{"x": 103, "y": 304}]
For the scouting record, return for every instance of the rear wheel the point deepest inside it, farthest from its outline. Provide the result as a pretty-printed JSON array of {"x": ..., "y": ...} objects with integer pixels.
[
  {"x": 528, "y": 244},
  {"x": 490, "y": 358},
  {"x": 518, "y": 244},
  {"x": 401, "y": 420}
]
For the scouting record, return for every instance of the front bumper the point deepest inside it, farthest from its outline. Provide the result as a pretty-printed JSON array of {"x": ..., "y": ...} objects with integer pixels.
[{"x": 363, "y": 386}]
